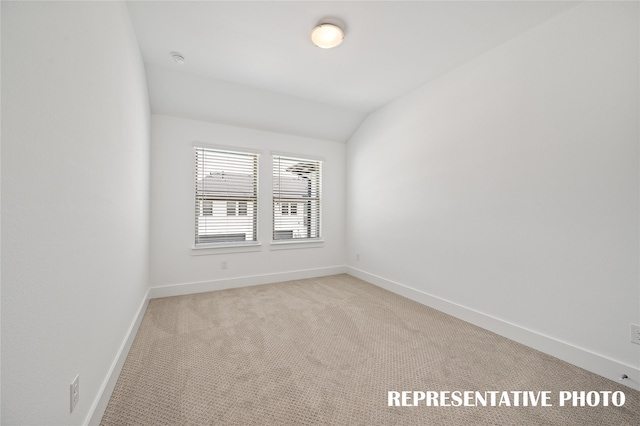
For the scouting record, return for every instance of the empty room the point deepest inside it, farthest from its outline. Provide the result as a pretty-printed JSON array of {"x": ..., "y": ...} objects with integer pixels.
[{"x": 320, "y": 212}]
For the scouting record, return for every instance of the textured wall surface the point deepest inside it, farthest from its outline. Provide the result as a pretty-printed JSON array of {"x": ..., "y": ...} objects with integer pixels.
[
  {"x": 509, "y": 186},
  {"x": 75, "y": 191}
]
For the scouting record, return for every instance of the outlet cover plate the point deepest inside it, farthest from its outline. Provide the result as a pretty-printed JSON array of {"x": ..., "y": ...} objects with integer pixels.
[
  {"x": 74, "y": 392},
  {"x": 635, "y": 334}
]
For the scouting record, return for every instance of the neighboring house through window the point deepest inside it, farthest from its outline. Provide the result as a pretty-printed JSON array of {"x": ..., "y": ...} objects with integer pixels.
[
  {"x": 236, "y": 208},
  {"x": 207, "y": 208},
  {"x": 242, "y": 208},
  {"x": 226, "y": 204},
  {"x": 288, "y": 208},
  {"x": 297, "y": 185}
]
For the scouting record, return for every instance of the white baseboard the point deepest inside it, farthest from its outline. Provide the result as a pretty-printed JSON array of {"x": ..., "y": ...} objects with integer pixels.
[
  {"x": 580, "y": 357},
  {"x": 102, "y": 400},
  {"x": 595, "y": 363},
  {"x": 223, "y": 284}
]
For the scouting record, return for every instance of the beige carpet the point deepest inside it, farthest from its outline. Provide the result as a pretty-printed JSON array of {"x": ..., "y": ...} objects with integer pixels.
[{"x": 327, "y": 351}]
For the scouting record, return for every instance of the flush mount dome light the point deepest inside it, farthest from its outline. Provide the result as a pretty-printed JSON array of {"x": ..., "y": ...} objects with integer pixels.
[{"x": 327, "y": 36}]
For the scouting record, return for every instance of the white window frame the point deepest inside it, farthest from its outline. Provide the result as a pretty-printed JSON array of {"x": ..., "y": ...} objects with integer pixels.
[
  {"x": 200, "y": 246},
  {"x": 279, "y": 200}
]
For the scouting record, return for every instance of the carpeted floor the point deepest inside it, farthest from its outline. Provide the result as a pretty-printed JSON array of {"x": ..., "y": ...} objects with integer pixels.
[{"x": 327, "y": 351}]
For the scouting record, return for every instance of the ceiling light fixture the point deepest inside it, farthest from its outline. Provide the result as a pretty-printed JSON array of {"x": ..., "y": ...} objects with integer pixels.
[
  {"x": 327, "y": 36},
  {"x": 177, "y": 58}
]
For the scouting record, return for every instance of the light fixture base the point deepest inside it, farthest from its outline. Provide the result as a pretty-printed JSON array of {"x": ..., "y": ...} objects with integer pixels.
[{"x": 327, "y": 36}]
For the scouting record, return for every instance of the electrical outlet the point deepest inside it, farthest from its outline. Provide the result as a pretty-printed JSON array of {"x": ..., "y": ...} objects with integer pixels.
[
  {"x": 74, "y": 392},
  {"x": 635, "y": 334},
  {"x": 224, "y": 264},
  {"x": 358, "y": 257}
]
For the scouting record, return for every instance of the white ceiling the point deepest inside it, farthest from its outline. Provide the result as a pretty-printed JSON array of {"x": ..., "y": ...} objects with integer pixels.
[{"x": 390, "y": 48}]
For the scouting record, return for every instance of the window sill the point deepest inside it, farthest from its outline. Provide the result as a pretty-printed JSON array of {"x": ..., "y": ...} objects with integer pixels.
[
  {"x": 209, "y": 249},
  {"x": 294, "y": 245}
]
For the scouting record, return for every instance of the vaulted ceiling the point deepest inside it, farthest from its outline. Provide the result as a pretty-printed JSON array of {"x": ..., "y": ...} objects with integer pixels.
[{"x": 251, "y": 63}]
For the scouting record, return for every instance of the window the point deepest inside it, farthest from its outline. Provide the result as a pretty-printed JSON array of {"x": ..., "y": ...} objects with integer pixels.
[
  {"x": 242, "y": 208},
  {"x": 207, "y": 208},
  {"x": 231, "y": 208},
  {"x": 236, "y": 208},
  {"x": 297, "y": 187},
  {"x": 288, "y": 208},
  {"x": 226, "y": 205}
]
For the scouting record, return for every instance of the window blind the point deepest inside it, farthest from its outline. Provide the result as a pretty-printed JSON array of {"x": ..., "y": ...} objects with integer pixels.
[
  {"x": 226, "y": 202},
  {"x": 297, "y": 187}
]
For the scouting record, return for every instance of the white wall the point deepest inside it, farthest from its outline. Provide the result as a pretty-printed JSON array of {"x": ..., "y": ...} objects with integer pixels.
[
  {"x": 75, "y": 175},
  {"x": 510, "y": 186},
  {"x": 181, "y": 94},
  {"x": 173, "y": 262}
]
